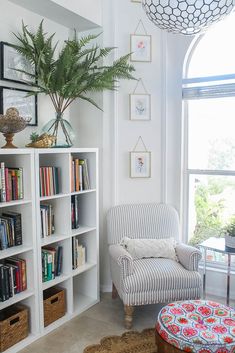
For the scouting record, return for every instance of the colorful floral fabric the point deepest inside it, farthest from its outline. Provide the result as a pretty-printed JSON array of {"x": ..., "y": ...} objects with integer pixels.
[{"x": 198, "y": 326}]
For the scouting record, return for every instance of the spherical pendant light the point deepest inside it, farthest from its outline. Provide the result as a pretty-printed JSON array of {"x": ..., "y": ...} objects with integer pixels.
[{"x": 186, "y": 16}]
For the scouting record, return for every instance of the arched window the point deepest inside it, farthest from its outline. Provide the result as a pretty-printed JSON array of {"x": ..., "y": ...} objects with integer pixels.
[{"x": 209, "y": 120}]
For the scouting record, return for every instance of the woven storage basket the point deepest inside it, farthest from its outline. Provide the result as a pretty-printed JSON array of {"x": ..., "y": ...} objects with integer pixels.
[
  {"x": 14, "y": 326},
  {"x": 54, "y": 304}
]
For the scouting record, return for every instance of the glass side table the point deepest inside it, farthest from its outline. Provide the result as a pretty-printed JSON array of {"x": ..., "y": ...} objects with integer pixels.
[{"x": 217, "y": 245}]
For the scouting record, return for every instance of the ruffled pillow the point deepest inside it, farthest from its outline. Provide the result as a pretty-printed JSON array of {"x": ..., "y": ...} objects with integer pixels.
[{"x": 144, "y": 248}]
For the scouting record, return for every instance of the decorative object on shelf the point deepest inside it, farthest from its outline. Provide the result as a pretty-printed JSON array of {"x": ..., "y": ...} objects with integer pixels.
[
  {"x": 186, "y": 16},
  {"x": 140, "y": 104},
  {"x": 229, "y": 233},
  {"x": 74, "y": 73},
  {"x": 10, "y": 124},
  {"x": 14, "y": 65},
  {"x": 42, "y": 141},
  {"x": 141, "y": 45},
  {"x": 61, "y": 129},
  {"x": 140, "y": 161},
  {"x": 23, "y": 100}
]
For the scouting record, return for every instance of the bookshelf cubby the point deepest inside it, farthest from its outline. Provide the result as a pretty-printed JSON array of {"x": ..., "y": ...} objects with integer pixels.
[{"x": 81, "y": 284}]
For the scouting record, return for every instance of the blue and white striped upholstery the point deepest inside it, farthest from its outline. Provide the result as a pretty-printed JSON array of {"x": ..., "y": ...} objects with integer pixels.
[
  {"x": 152, "y": 280},
  {"x": 142, "y": 221}
]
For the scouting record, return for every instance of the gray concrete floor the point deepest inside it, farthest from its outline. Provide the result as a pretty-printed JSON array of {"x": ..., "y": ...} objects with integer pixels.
[{"x": 103, "y": 319}]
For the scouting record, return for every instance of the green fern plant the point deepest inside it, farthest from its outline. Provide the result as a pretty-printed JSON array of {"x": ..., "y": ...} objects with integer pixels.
[{"x": 76, "y": 71}]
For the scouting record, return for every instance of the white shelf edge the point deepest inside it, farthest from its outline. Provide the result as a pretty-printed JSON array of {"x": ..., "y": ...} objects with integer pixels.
[
  {"x": 81, "y": 230},
  {"x": 22, "y": 344},
  {"x": 85, "y": 303},
  {"x": 82, "y": 192},
  {"x": 86, "y": 307},
  {"x": 81, "y": 269},
  {"x": 17, "y": 298},
  {"x": 14, "y": 203},
  {"x": 53, "y": 282},
  {"x": 19, "y": 151},
  {"x": 15, "y": 250},
  {"x": 52, "y": 197},
  {"x": 54, "y": 325},
  {"x": 53, "y": 239}
]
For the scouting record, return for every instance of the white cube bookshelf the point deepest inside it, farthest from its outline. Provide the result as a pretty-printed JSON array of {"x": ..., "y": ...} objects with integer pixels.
[{"x": 82, "y": 284}]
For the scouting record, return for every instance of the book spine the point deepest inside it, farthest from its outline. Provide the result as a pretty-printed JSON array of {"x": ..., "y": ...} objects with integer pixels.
[
  {"x": 3, "y": 182},
  {"x": 23, "y": 274},
  {"x": 7, "y": 185},
  {"x": 21, "y": 184}
]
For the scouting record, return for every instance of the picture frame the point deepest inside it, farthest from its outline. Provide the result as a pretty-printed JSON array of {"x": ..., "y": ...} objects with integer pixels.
[
  {"x": 26, "y": 105},
  {"x": 140, "y": 164},
  {"x": 140, "y": 107},
  {"x": 10, "y": 62},
  {"x": 141, "y": 47}
]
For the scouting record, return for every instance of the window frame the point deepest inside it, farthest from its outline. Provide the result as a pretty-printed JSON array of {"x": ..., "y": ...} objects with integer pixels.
[{"x": 191, "y": 88}]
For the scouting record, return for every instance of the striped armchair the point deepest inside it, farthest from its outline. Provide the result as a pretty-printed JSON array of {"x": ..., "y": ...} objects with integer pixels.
[{"x": 150, "y": 280}]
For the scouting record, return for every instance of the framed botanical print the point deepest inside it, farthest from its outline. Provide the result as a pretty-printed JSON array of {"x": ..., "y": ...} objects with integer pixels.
[
  {"x": 10, "y": 62},
  {"x": 140, "y": 164},
  {"x": 140, "y": 107},
  {"x": 19, "y": 99},
  {"x": 141, "y": 47}
]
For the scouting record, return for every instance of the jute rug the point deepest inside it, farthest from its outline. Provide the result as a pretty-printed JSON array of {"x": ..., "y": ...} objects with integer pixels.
[{"x": 129, "y": 342}]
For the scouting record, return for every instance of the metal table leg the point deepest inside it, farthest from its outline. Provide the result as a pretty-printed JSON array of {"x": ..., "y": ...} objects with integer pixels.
[
  {"x": 204, "y": 274},
  {"x": 228, "y": 278}
]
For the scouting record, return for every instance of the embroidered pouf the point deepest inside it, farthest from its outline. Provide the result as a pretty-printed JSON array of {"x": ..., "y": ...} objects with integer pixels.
[{"x": 197, "y": 326}]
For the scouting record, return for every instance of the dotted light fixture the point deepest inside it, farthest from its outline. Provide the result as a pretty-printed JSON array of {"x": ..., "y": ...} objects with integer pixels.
[{"x": 186, "y": 16}]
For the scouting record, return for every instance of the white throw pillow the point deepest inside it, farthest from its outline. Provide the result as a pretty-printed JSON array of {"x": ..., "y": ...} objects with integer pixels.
[{"x": 143, "y": 248}]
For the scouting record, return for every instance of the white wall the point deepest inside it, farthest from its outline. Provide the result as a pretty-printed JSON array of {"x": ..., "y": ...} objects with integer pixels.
[
  {"x": 11, "y": 17},
  {"x": 90, "y": 9}
]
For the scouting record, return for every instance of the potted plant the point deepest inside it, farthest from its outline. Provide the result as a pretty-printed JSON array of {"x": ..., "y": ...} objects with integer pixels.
[
  {"x": 74, "y": 72},
  {"x": 229, "y": 232}
]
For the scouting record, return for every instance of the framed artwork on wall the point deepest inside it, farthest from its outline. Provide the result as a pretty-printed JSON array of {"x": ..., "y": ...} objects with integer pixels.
[
  {"x": 140, "y": 107},
  {"x": 10, "y": 62},
  {"x": 18, "y": 98},
  {"x": 141, "y": 47},
  {"x": 140, "y": 164}
]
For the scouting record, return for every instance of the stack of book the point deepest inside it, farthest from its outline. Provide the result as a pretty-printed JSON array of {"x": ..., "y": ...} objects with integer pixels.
[
  {"x": 51, "y": 262},
  {"x": 79, "y": 175},
  {"x": 10, "y": 230},
  {"x": 74, "y": 211},
  {"x": 49, "y": 181},
  {"x": 13, "y": 277},
  {"x": 79, "y": 254},
  {"x": 47, "y": 220},
  {"x": 11, "y": 183}
]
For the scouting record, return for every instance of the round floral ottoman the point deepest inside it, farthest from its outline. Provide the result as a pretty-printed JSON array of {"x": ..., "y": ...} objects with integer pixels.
[{"x": 197, "y": 326}]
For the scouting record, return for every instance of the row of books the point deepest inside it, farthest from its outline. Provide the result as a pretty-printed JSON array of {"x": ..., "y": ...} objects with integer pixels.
[
  {"x": 49, "y": 181},
  {"x": 74, "y": 211},
  {"x": 10, "y": 230},
  {"x": 11, "y": 183},
  {"x": 79, "y": 254},
  {"x": 79, "y": 175},
  {"x": 47, "y": 220},
  {"x": 51, "y": 262},
  {"x": 13, "y": 277}
]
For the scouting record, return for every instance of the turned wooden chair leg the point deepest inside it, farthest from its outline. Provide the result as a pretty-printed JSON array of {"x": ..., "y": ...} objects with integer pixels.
[
  {"x": 128, "y": 316},
  {"x": 114, "y": 292}
]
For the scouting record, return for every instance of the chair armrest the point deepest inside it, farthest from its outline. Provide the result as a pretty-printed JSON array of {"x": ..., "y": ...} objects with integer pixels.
[
  {"x": 188, "y": 256},
  {"x": 123, "y": 258}
]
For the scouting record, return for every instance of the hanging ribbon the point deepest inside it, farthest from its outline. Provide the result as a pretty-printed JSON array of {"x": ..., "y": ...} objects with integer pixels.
[
  {"x": 140, "y": 23},
  {"x": 140, "y": 81},
  {"x": 140, "y": 140}
]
